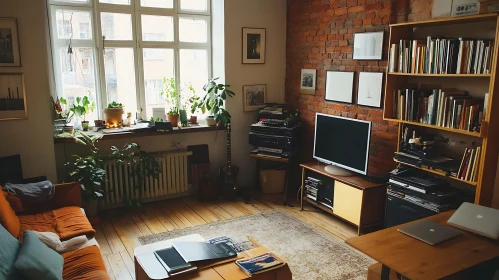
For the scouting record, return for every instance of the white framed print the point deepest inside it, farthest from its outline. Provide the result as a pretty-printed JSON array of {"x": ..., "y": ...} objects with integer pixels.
[
  {"x": 368, "y": 46},
  {"x": 10, "y": 55},
  {"x": 255, "y": 97},
  {"x": 254, "y": 44},
  {"x": 339, "y": 86},
  {"x": 307, "y": 81},
  {"x": 370, "y": 88}
]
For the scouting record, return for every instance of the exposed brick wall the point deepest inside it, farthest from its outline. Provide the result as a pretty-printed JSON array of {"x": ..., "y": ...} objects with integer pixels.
[{"x": 320, "y": 36}]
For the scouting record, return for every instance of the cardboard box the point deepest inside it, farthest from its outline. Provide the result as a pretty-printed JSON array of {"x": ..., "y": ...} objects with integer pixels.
[{"x": 272, "y": 181}]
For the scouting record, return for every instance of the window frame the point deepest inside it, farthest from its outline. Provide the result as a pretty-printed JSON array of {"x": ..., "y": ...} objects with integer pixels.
[{"x": 137, "y": 44}]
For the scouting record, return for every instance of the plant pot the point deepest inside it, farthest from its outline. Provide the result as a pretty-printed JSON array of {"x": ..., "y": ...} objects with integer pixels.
[
  {"x": 114, "y": 117},
  {"x": 194, "y": 119},
  {"x": 84, "y": 125},
  {"x": 99, "y": 123},
  {"x": 91, "y": 209},
  {"x": 68, "y": 128},
  {"x": 220, "y": 124},
  {"x": 210, "y": 121},
  {"x": 173, "y": 119}
]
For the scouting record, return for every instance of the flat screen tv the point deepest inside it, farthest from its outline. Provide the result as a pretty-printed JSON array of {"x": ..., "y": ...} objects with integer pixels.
[{"x": 342, "y": 143}]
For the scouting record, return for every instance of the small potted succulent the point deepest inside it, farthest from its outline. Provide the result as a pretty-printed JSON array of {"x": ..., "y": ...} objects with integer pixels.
[
  {"x": 214, "y": 102},
  {"x": 172, "y": 100},
  {"x": 114, "y": 114}
]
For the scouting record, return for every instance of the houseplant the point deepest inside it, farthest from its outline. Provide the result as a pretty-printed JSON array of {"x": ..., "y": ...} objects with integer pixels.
[
  {"x": 62, "y": 117},
  {"x": 80, "y": 109},
  {"x": 195, "y": 107},
  {"x": 214, "y": 102},
  {"x": 172, "y": 100},
  {"x": 89, "y": 172},
  {"x": 114, "y": 114}
]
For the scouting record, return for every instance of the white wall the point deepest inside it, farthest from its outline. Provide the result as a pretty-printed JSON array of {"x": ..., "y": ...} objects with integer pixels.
[
  {"x": 32, "y": 138},
  {"x": 269, "y": 14}
]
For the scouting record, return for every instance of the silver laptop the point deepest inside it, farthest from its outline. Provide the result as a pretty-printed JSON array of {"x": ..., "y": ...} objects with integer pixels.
[
  {"x": 429, "y": 232},
  {"x": 477, "y": 219}
]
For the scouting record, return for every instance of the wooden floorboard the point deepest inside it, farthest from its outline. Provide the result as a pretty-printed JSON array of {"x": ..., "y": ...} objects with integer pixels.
[{"x": 119, "y": 230}]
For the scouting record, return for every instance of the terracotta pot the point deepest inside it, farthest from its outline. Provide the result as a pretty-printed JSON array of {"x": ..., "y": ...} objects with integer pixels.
[
  {"x": 194, "y": 120},
  {"x": 114, "y": 117},
  {"x": 210, "y": 121},
  {"x": 173, "y": 119}
]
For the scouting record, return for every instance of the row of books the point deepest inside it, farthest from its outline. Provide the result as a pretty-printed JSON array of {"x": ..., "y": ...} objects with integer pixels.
[
  {"x": 468, "y": 170},
  {"x": 441, "y": 56},
  {"x": 441, "y": 107}
]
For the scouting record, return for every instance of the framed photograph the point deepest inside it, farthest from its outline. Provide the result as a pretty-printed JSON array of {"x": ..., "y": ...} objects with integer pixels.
[
  {"x": 12, "y": 97},
  {"x": 308, "y": 81},
  {"x": 9, "y": 43},
  {"x": 254, "y": 45},
  {"x": 370, "y": 87},
  {"x": 255, "y": 97},
  {"x": 339, "y": 86},
  {"x": 368, "y": 46}
]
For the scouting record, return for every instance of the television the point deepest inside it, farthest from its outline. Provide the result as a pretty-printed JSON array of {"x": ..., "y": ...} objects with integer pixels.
[{"x": 342, "y": 143}]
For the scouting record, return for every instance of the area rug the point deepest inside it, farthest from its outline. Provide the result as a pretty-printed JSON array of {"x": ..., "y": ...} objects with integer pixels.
[{"x": 310, "y": 253}]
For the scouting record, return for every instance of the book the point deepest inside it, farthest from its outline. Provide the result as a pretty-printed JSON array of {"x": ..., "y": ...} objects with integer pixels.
[
  {"x": 260, "y": 264},
  {"x": 394, "y": 51}
]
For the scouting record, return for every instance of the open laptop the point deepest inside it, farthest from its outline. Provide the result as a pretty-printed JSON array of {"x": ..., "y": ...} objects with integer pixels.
[
  {"x": 429, "y": 232},
  {"x": 477, "y": 219}
]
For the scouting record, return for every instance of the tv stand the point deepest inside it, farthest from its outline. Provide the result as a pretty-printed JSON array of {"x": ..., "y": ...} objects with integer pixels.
[
  {"x": 355, "y": 199},
  {"x": 338, "y": 171}
]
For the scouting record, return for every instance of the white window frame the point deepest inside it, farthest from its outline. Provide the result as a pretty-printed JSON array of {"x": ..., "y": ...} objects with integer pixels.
[{"x": 137, "y": 44}]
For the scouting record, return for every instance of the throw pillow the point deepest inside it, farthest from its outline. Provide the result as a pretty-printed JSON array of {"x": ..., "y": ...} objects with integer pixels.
[
  {"x": 10, "y": 247},
  {"x": 15, "y": 202},
  {"x": 36, "y": 261},
  {"x": 8, "y": 217}
]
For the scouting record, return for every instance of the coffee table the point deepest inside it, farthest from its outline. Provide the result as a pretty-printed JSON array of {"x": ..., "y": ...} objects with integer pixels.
[{"x": 147, "y": 267}]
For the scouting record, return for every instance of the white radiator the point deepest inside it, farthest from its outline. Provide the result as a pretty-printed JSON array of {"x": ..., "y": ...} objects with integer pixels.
[{"x": 172, "y": 182}]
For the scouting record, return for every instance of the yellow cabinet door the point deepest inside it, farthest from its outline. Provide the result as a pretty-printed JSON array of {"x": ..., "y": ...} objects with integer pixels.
[{"x": 347, "y": 202}]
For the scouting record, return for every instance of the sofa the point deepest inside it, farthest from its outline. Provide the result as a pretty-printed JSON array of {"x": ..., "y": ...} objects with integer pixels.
[{"x": 63, "y": 216}]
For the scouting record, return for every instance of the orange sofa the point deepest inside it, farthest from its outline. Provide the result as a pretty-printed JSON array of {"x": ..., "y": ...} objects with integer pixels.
[{"x": 62, "y": 216}]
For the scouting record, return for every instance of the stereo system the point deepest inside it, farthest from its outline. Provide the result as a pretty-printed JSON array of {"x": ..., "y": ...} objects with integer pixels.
[{"x": 319, "y": 191}]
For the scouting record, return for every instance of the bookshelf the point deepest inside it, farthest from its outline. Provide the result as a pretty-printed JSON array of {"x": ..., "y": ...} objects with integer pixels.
[{"x": 476, "y": 84}]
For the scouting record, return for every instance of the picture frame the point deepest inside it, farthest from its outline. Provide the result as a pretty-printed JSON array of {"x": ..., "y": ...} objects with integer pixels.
[
  {"x": 254, "y": 97},
  {"x": 254, "y": 45},
  {"x": 339, "y": 86},
  {"x": 13, "y": 105},
  {"x": 368, "y": 46},
  {"x": 308, "y": 81},
  {"x": 10, "y": 53},
  {"x": 370, "y": 89}
]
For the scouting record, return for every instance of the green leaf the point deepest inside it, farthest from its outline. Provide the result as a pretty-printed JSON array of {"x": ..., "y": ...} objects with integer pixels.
[{"x": 78, "y": 99}]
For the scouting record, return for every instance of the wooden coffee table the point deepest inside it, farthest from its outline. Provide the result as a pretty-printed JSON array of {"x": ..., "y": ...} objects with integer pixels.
[{"x": 147, "y": 267}]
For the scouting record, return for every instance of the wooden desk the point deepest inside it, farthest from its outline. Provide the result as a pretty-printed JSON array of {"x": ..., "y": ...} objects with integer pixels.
[
  {"x": 147, "y": 267},
  {"x": 417, "y": 260}
]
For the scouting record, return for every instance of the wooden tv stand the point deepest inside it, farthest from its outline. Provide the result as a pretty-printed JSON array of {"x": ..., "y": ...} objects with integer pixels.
[{"x": 355, "y": 200}]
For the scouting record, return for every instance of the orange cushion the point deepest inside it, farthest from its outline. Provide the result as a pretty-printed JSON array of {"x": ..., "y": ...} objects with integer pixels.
[
  {"x": 8, "y": 217},
  {"x": 84, "y": 264},
  {"x": 15, "y": 202}
]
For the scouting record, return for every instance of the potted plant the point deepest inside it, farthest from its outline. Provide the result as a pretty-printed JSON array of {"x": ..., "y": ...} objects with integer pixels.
[
  {"x": 195, "y": 107},
  {"x": 81, "y": 108},
  {"x": 114, "y": 114},
  {"x": 214, "y": 102},
  {"x": 172, "y": 100},
  {"x": 89, "y": 172},
  {"x": 61, "y": 116}
]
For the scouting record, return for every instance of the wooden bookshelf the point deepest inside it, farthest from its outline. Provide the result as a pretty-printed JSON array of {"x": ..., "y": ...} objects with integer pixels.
[{"x": 478, "y": 84}]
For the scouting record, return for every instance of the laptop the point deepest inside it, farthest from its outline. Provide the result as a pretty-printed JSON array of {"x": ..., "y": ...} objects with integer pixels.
[
  {"x": 477, "y": 219},
  {"x": 429, "y": 232}
]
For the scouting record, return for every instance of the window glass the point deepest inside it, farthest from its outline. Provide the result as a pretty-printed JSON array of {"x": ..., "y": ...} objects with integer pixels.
[
  {"x": 194, "y": 5},
  {"x": 73, "y": 24},
  {"x": 194, "y": 69},
  {"x": 120, "y": 2},
  {"x": 193, "y": 30},
  {"x": 158, "y": 64},
  {"x": 120, "y": 77},
  {"x": 116, "y": 26},
  {"x": 168, "y": 4},
  {"x": 157, "y": 28}
]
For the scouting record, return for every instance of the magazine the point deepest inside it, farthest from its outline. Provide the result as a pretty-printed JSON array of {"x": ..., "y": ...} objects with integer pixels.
[{"x": 259, "y": 264}]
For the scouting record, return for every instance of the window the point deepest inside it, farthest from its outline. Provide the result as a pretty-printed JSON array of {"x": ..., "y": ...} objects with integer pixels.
[{"x": 122, "y": 50}]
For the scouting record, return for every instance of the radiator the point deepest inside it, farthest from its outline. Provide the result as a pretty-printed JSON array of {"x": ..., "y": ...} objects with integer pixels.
[{"x": 172, "y": 182}]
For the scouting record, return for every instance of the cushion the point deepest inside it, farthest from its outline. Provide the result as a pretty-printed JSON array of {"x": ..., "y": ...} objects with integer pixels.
[
  {"x": 8, "y": 217},
  {"x": 85, "y": 263},
  {"x": 15, "y": 202},
  {"x": 10, "y": 247},
  {"x": 37, "y": 261}
]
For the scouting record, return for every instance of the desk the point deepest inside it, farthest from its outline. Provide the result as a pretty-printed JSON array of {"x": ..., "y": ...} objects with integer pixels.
[
  {"x": 287, "y": 161},
  {"x": 417, "y": 260}
]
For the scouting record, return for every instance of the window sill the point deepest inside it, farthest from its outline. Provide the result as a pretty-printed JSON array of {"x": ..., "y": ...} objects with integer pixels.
[{"x": 142, "y": 132}]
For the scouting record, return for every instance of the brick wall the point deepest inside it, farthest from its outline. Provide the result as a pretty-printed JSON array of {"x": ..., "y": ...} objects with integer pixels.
[{"x": 320, "y": 36}]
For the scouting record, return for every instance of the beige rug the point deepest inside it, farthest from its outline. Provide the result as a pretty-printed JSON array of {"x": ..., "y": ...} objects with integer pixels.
[{"x": 309, "y": 253}]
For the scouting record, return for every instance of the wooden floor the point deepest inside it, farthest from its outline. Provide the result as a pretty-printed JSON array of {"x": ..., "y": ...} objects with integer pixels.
[{"x": 119, "y": 229}]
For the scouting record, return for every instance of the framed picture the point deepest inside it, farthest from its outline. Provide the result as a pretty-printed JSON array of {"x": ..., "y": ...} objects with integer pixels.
[
  {"x": 9, "y": 43},
  {"x": 339, "y": 86},
  {"x": 368, "y": 46},
  {"x": 12, "y": 97},
  {"x": 308, "y": 81},
  {"x": 254, "y": 45},
  {"x": 370, "y": 87},
  {"x": 255, "y": 97}
]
